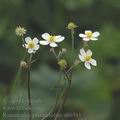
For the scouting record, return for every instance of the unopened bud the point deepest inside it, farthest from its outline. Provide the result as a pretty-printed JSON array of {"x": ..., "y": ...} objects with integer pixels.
[
  {"x": 77, "y": 62},
  {"x": 51, "y": 49},
  {"x": 64, "y": 50},
  {"x": 62, "y": 63},
  {"x": 23, "y": 64},
  {"x": 71, "y": 25},
  {"x": 20, "y": 31}
]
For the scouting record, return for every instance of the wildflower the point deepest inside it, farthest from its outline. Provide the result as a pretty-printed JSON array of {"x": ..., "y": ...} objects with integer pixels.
[
  {"x": 86, "y": 57},
  {"x": 71, "y": 25},
  {"x": 20, "y": 31},
  {"x": 89, "y": 35},
  {"x": 62, "y": 63},
  {"x": 51, "y": 40},
  {"x": 31, "y": 45},
  {"x": 23, "y": 64}
]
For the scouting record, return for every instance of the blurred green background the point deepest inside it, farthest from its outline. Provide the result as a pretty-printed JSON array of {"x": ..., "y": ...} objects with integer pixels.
[{"x": 96, "y": 93}]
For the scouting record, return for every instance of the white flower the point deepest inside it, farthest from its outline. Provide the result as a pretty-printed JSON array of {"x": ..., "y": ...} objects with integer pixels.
[
  {"x": 20, "y": 31},
  {"x": 31, "y": 45},
  {"x": 51, "y": 40},
  {"x": 89, "y": 35},
  {"x": 86, "y": 57}
]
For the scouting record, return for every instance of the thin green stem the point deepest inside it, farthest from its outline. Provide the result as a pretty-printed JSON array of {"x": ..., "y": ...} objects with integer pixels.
[
  {"x": 58, "y": 89},
  {"x": 29, "y": 91},
  {"x": 67, "y": 73},
  {"x": 57, "y": 98},
  {"x": 55, "y": 54},
  {"x": 72, "y": 37},
  {"x": 25, "y": 48},
  {"x": 85, "y": 45},
  {"x": 65, "y": 92},
  {"x": 73, "y": 45},
  {"x": 64, "y": 96}
]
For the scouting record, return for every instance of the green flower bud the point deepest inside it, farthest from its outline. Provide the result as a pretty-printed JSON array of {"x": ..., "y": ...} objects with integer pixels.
[
  {"x": 62, "y": 63},
  {"x": 71, "y": 25}
]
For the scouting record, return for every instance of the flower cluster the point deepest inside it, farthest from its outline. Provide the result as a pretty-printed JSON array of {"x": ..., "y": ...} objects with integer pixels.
[
  {"x": 86, "y": 56},
  {"x": 32, "y": 45}
]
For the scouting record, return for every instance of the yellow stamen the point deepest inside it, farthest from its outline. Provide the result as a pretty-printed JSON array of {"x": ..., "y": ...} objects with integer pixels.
[
  {"x": 87, "y": 58},
  {"x": 31, "y": 44},
  {"x": 51, "y": 38},
  {"x": 89, "y": 34}
]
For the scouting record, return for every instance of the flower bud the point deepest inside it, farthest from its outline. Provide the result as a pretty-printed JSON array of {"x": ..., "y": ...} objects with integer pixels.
[
  {"x": 23, "y": 64},
  {"x": 71, "y": 25},
  {"x": 62, "y": 63},
  {"x": 64, "y": 50},
  {"x": 51, "y": 49},
  {"x": 77, "y": 62},
  {"x": 20, "y": 31}
]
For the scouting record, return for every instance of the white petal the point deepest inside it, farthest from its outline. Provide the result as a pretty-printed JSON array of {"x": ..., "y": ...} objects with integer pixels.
[
  {"x": 30, "y": 51},
  {"x": 82, "y": 52},
  {"x": 82, "y": 35},
  {"x": 87, "y": 65},
  {"x": 36, "y": 40},
  {"x": 44, "y": 42},
  {"x": 27, "y": 39},
  {"x": 45, "y": 36},
  {"x": 89, "y": 53},
  {"x": 26, "y": 46},
  {"x": 53, "y": 44},
  {"x": 81, "y": 58},
  {"x": 86, "y": 39},
  {"x": 96, "y": 34},
  {"x": 36, "y": 47},
  {"x": 58, "y": 36},
  {"x": 93, "y": 62},
  {"x": 23, "y": 45},
  {"x": 93, "y": 38},
  {"x": 60, "y": 39}
]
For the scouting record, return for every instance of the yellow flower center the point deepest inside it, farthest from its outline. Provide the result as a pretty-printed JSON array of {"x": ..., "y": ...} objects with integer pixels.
[
  {"x": 31, "y": 45},
  {"x": 89, "y": 34},
  {"x": 87, "y": 58},
  {"x": 51, "y": 38}
]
